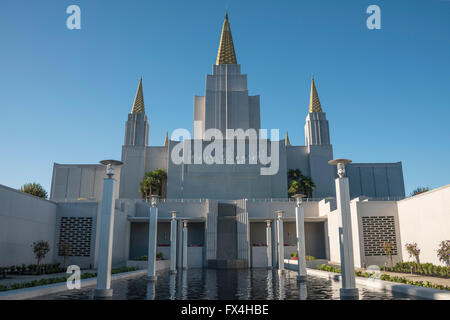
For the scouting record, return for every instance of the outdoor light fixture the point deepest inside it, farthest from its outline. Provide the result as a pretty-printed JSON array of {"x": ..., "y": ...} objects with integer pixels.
[
  {"x": 279, "y": 214},
  {"x": 299, "y": 198},
  {"x": 154, "y": 200},
  {"x": 340, "y": 166},
  {"x": 109, "y": 166}
]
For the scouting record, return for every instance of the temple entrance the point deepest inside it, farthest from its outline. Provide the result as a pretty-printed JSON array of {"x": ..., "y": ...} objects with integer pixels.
[{"x": 226, "y": 232}]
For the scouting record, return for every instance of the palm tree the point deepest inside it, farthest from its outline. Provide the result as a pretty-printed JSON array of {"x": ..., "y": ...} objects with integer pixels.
[
  {"x": 294, "y": 175},
  {"x": 298, "y": 183},
  {"x": 153, "y": 183},
  {"x": 308, "y": 186},
  {"x": 294, "y": 188}
]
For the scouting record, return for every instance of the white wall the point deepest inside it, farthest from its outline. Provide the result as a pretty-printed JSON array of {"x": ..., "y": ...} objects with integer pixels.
[
  {"x": 72, "y": 182},
  {"x": 24, "y": 219},
  {"x": 425, "y": 219}
]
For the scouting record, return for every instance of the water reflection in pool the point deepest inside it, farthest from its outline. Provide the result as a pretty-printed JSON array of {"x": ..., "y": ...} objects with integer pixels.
[{"x": 244, "y": 284}]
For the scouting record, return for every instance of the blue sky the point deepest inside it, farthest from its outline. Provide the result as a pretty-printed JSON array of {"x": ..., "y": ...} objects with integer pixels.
[{"x": 65, "y": 94}]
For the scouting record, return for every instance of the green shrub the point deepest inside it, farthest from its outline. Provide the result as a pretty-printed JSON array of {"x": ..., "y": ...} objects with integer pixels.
[
  {"x": 42, "y": 282},
  {"x": 386, "y": 277}
]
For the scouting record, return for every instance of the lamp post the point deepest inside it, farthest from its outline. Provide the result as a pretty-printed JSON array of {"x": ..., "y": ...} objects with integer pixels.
[
  {"x": 185, "y": 244},
  {"x": 152, "y": 238},
  {"x": 280, "y": 240},
  {"x": 269, "y": 244},
  {"x": 300, "y": 226},
  {"x": 103, "y": 289},
  {"x": 173, "y": 243},
  {"x": 348, "y": 289}
]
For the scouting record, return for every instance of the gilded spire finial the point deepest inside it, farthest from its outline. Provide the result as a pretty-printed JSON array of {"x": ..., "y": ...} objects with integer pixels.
[
  {"x": 138, "y": 104},
  {"x": 314, "y": 102},
  {"x": 166, "y": 141},
  {"x": 287, "y": 142},
  {"x": 226, "y": 54}
]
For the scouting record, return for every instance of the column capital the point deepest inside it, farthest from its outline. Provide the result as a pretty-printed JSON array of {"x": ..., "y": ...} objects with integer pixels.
[
  {"x": 279, "y": 214},
  {"x": 185, "y": 223},
  {"x": 299, "y": 199},
  {"x": 340, "y": 163},
  {"x": 174, "y": 214},
  {"x": 154, "y": 200},
  {"x": 269, "y": 223}
]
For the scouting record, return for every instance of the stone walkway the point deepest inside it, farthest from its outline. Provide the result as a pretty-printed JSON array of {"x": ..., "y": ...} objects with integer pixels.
[{"x": 11, "y": 279}]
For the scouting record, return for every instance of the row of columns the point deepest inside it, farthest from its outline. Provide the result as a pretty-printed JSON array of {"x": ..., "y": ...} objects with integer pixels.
[
  {"x": 300, "y": 230},
  {"x": 173, "y": 244},
  {"x": 107, "y": 226}
]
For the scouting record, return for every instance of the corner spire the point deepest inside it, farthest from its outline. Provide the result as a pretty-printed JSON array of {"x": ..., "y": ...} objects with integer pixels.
[
  {"x": 226, "y": 54},
  {"x": 138, "y": 104},
  {"x": 314, "y": 102},
  {"x": 287, "y": 143},
  {"x": 166, "y": 141}
]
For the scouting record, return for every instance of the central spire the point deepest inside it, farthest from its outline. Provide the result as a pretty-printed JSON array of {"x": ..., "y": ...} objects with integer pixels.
[
  {"x": 138, "y": 104},
  {"x": 314, "y": 102},
  {"x": 226, "y": 54}
]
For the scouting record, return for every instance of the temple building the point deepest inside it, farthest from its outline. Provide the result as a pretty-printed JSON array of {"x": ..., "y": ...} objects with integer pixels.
[{"x": 228, "y": 207}]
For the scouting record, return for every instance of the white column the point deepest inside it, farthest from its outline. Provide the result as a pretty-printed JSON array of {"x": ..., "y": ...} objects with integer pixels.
[
  {"x": 300, "y": 223},
  {"x": 173, "y": 244},
  {"x": 348, "y": 289},
  {"x": 152, "y": 239},
  {"x": 103, "y": 289},
  {"x": 269, "y": 243},
  {"x": 185, "y": 245},
  {"x": 280, "y": 242},
  {"x": 347, "y": 261}
]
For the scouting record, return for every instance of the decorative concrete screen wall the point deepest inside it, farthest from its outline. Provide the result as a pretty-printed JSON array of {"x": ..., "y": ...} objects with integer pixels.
[
  {"x": 77, "y": 233},
  {"x": 76, "y": 225},
  {"x": 376, "y": 231}
]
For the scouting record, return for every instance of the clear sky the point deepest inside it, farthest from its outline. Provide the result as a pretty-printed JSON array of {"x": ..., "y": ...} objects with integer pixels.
[{"x": 65, "y": 94}]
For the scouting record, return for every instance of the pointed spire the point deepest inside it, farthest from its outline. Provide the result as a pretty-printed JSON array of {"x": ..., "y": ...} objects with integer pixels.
[
  {"x": 138, "y": 104},
  {"x": 226, "y": 54},
  {"x": 166, "y": 141},
  {"x": 287, "y": 143},
  {"x": 314, "y": 102}
]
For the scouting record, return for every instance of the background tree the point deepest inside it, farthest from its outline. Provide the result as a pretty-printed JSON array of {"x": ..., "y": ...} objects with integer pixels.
[
  {"x": 153, "y": 183},
  {"x": 298, "y": 183},
  {"x": 414, "y": 252},
  {"x": 419, "y": 190},
  {"x": 388, "y": 247},
  {"x": 40, "y": 249},
  {"x": 35, "y": 189},
  {"x": 65, "y": 250},
  {"x": 444, "y": 252}
]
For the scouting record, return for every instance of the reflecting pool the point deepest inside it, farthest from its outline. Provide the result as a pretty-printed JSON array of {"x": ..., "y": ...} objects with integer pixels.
[{"x": 243, "y": 284}]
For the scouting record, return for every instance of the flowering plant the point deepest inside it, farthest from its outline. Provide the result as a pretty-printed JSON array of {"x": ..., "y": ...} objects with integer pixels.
[
  {"x": 413, "y": 250},
  {"x": 444, "y": 252}
]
